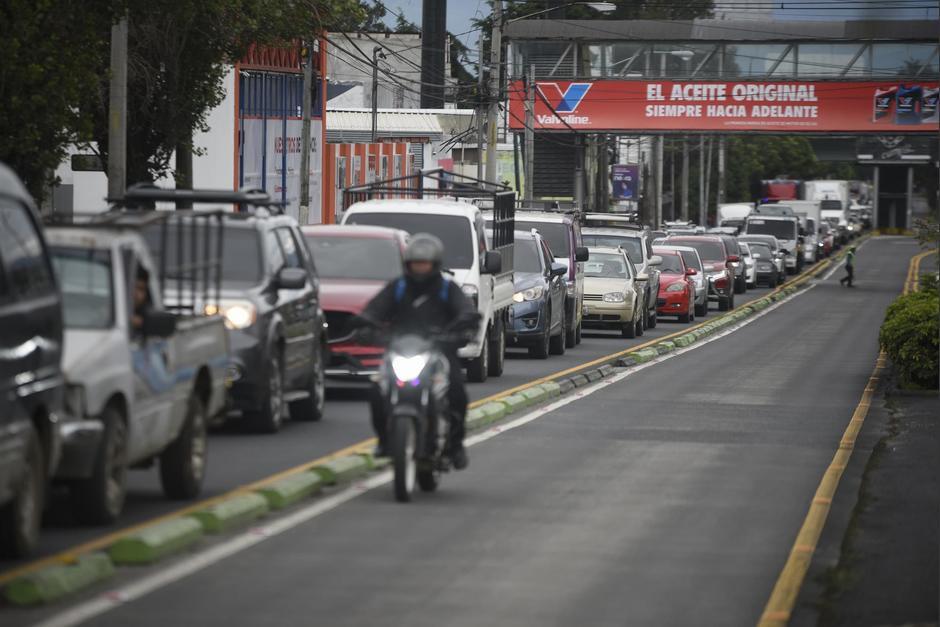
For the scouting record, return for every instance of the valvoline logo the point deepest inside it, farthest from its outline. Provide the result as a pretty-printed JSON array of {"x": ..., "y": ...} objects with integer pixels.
[{"x": 566, "y": 101}]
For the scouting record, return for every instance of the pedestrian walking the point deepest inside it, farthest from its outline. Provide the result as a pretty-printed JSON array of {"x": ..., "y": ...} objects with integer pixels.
[{"x": 849, "y": 268}]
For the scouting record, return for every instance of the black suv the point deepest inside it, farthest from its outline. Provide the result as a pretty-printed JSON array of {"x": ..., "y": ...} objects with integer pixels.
[
  {"x": 31, "y": 383},
  {"x": 270, "y": 299}
]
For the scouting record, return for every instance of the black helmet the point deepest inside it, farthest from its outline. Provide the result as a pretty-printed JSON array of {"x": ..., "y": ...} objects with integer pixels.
[{"x": 424, "y": 247}]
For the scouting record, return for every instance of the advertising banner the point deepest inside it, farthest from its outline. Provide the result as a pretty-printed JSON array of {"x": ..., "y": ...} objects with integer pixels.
[
  {"x": 625, "y": 181},
  {"x": 772, "y": 107}
]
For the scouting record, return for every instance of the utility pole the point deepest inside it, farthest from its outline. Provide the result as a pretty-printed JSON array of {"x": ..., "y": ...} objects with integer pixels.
[
  {"x": 117, "y": 111},
  {"x": 708, "y": 180},
  {"x": 481, "y": 107},
  {"x": 304, "y": 216},
  {"x": 376, "y": 53},
  {"x": 685, "y": 179},
  {"x": 721, "y": 169},
  {"x": 658, "y": 175},
  {"x": 701, "y": 180},
  {"x": 530, "y": 135},
  {"x": 492, "y": 118}
]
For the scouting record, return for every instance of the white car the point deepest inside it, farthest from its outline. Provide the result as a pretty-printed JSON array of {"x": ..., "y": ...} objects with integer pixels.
[
  {"x": 692, "y": 259},
  {"x": 749, "y": 264}
]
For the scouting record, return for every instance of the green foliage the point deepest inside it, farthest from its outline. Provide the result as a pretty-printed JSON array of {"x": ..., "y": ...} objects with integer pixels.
[
  {"x": 909, "y": 337},
  {"x": 49, "y": 51}
]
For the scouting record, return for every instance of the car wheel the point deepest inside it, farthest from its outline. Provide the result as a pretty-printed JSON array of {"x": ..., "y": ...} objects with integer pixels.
[
  {"x": 20, "y": 519},
  {"x": 687, "y": 316},
  {"x": 701, "y": 311},
  {"x": 570, "y": 333},
  {"x": 641, "y": 325},
  {"x": 498, "y": 350},
  {"x": 99, "y": 499},
  {"x": 271, "y": 415},
  {"x": 541, "y": 349},
  {"x": 578, "y": 332},
  {"x": 652, "y": 320},
  {"x": 558, "y": 343},
  {"x": 311, "y": 407},
  {"x": 478, "y": 368},
  {"x": 740, "y": 285},
  {"x": 183, "y": 463},
  {"x": 628, "y": 330},
  {"x": 724, "y": 303}
]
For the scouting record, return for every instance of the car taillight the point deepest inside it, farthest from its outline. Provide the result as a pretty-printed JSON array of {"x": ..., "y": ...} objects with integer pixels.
[{"x": 722, "y": 282}]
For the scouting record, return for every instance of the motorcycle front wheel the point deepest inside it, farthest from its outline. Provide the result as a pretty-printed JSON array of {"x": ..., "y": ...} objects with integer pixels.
[{"x": 404, "y": 440}]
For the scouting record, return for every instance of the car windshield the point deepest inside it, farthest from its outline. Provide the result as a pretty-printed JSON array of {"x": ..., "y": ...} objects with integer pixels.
[
  {"x": 761, "y": 249},
  {"x": 671, "y": 264},
  {"x": 606, "y": 266},
  {"x": 85, "y": 280},
  {"x": 366, "y": 258},
  {"x": 453, "y": 231},
  {"x": 781, "y": 229},
  {"x": 708, "y": 250},
  {"x": 630, "y": 245},
  {"x": 556, "y": 233},
  {"x": 526, "y": 257},
  {"x": 241, "y": 251}
]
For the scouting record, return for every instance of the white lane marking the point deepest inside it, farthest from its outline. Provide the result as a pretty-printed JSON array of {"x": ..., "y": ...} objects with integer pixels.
[{"x": 112, "y": 599}]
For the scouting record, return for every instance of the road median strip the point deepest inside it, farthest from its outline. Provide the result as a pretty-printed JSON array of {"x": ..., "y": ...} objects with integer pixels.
[
  {"x": 57, "y": 582},
  {"x": 157, "y": 541},
  {"x": 232, "y": 513},
  {"x": 341, "y": 469}
]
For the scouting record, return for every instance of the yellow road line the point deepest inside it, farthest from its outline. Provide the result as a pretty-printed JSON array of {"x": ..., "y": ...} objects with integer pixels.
[
  {"x": 779, "y": 607},
  {"x": 70, "y": 555}
]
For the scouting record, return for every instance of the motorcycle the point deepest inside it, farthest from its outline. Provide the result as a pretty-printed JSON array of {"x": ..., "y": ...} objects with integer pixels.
[{"x": 414, "y": 382}]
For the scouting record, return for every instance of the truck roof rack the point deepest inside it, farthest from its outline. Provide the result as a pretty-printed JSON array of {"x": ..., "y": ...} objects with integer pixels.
[{"x": 145, "y": 195}]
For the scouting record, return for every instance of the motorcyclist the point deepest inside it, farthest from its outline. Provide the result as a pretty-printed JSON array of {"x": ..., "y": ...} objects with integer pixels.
[{"x": 424, "y": 300}]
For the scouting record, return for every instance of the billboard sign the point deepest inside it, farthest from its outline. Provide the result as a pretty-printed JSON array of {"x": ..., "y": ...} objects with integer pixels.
[
  {"x": 773, "y": 107},
  {"x": 625, "y": 181}
]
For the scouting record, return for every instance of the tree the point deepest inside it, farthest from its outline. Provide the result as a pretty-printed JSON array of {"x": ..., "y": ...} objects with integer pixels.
[{"x": 51, "y": 51}]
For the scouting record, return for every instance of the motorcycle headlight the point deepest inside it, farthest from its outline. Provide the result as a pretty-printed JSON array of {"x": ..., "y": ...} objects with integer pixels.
[
  {"x": 237, "y": 314},
  {"x": 408, "y": 368},
  {"x": 613, "y": 297},
  {"x": 533, "y": 293},
  {"x": 676, "y": 287}
]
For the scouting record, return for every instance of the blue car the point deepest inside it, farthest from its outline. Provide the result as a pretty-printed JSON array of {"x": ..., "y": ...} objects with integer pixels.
[{"x": 538, "y": 311}]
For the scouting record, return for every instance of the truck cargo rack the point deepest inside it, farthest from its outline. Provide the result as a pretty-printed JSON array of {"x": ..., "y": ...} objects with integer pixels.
[
  {"x": 441, "y": 184},
  {"x": 146, "y": 195}
]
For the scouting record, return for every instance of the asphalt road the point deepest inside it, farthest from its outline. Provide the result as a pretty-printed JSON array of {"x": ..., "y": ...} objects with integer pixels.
[{"x": 670, "y": 497}]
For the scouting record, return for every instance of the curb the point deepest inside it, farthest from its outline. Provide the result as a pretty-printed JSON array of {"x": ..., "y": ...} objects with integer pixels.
[
  {"x": 56, "y": 582},
  {"x": 291, "y": 489},
  {"x": 156, "y": 541},
  {"x": 231, "y": 513},
  {"x": 341, "y": 469}
]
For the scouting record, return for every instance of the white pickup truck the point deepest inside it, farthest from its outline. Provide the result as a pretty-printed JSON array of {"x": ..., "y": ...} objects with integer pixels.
[
  {"x": 142, "y": 381},
  {"x": 485, "y": 275}
]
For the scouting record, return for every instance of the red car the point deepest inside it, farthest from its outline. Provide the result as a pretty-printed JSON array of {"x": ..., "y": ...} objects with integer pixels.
[
  {"x": 676, "y": 289},
  {"x": 354, "y": 263}
]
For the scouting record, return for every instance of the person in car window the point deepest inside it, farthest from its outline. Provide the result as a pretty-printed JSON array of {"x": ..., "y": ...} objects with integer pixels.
[
  {"x": 142, "y": 302},
  {"x": 424, "y": 301}
]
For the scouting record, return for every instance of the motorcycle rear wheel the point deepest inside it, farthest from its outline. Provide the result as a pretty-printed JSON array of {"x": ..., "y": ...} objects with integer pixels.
[{"x": 404, "y": 440}]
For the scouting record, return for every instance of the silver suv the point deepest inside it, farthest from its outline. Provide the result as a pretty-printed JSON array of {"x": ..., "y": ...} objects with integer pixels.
[{"x": 637, "y": 242}]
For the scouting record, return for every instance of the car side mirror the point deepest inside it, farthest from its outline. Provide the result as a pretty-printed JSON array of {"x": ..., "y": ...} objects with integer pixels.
[
  {"x": 581, "y": 253},
  {"x": 733, "y": 258},
  {"x": 784, "y": 252},
  {"x": 656, "y": 260},
  {"x": 159, "y": 324},
  {"x": 291, "y": 279},
  {"x": 492, "y": 262},
  {"x": 558, "y": 269},
  {"x": 691, "y": 271},
  {"x": 642, "y": 276}
]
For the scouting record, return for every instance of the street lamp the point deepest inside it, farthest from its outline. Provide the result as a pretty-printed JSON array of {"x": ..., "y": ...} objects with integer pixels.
[{"x": 496, "y": 45}]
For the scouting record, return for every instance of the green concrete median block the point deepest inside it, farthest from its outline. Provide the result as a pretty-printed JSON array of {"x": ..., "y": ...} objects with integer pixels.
[
  {"x": 644, "y": 355},
  {"x": 234, "y": 512},
  {"x": 155, "y": 542},
  {"x": 534, "y": 394},
  {"x": 475, "y": 416},
  {"x": 552, "y": 389},
  {"x": 684, "y": 340},
  {"x": 580, "y": 380},
  {"x": 494, "y": 411},
  {"x": 666, "y": 347},
  {"x": 294, "y": 488},
  {"x": 55, "y": 582},
  {"x": 341, "y": 469},
  {"x": 606, "y": 370},
  {"x": 594, "y": 375},
  {"x": 566, "y": 385},
  {"x": 515, "y": 403}
]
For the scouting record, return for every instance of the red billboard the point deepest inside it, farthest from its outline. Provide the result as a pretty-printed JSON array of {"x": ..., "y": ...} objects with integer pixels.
[{"x": 774, "y": 107}]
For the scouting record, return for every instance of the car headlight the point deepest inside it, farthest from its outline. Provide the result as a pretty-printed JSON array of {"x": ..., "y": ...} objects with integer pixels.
[
  {"x": 533, "y": 293},
  {"x": 613, "y": 297},
  {"x": 676, "y": 287},
  {"x": 471, "y": 292},
  {"x": 237, "y": 314},
  {"x": 409, "y": 368}
]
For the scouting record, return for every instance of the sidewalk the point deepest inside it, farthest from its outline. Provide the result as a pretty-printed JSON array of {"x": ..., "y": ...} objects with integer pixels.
[{"x": 887, "y": 572}]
